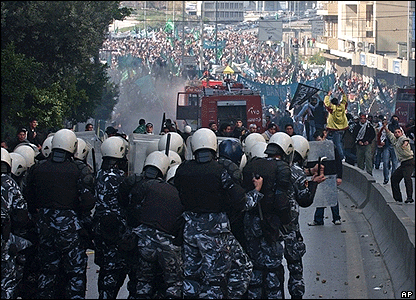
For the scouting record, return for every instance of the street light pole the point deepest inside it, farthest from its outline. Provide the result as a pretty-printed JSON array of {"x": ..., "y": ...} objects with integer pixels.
[
  {"x": 216, "y": 32},
  {"x": 201, "y": 55}
]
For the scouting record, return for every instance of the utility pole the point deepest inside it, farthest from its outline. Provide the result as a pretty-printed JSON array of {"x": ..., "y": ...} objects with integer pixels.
[
  {"x": 183, "y": 34},
  {"x": 216, "y": 31},
  {"x": 201, "y": 50},
  {"x": 145, "y": 25}
]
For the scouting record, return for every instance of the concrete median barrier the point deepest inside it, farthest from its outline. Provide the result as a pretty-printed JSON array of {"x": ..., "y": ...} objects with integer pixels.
[{"x": 393, "y": 230}]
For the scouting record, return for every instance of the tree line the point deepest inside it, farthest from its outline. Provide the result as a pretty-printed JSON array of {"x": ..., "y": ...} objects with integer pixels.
[{"x": 50, "y": 67}]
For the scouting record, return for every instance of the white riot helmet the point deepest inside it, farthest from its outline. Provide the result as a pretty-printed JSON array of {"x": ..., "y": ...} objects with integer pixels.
[
  {"x": 175, "y": 144},
  {"x": 65, "y": 139},
  {"x": 114, "y": 147},
  {"x": 258, "y": 150},
  {"x": 159, "y": 160},
  {"x": 187, "y": 129},
  {"x": 171, "y": 172},
  {"x": 204, "y": 138},
  {"x": 33, "y": 146},
  {"x": 47, "y": 146},
  {"x": 301, "y": 145},
  {"x": 5, "y": 156},
  {"x": 174, "y": 158},
  {"x": 82, "y": 149},
  {"x": 28, "y": 153},
  {"x": 283, "y": 140},
  {"x": 18, "y": 164},
  {"x": 251, "y": 140},
  {"x": 281, "y": 143}
]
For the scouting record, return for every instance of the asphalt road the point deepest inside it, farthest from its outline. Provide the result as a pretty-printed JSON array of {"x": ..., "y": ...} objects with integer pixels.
[{"x": 341, "y": 261}]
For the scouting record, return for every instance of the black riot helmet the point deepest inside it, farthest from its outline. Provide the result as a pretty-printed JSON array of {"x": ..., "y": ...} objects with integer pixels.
[{"x": 232, "y": 150}]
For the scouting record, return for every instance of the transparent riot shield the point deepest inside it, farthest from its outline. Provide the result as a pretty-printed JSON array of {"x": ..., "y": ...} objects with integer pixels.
[
  {"x": 327, "y": 192},
  {"x": 95, "y": 143},
  {"x": 140, "y": 145}
]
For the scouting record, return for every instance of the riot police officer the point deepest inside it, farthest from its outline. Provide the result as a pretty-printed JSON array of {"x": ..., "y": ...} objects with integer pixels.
[
  {"x": 14, "y": 216},
  {"x": 261, "y": 225},
  {"x": 59, "y": 191},
  {"x": 153, "y": 208},
  {"x": 301, "y": 194},
  {"x": 109, "y": 219},
  {"x": 230, "y": 153},
  {"x": 215, "y": 265}
]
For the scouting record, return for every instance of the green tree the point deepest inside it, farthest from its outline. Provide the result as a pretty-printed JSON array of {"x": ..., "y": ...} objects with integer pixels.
[
  {"x": 51, "y": 52},
  {"x": 317, "y": 59}
]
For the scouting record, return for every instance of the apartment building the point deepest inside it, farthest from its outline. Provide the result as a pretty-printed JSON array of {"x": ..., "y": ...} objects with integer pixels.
[
  {"x": 221, "y": 11},
  {"x": 371, "y": 37}
]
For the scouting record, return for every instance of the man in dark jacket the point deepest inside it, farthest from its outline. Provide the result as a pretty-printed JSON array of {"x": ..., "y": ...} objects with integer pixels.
[{"x": 364, "y": 134}]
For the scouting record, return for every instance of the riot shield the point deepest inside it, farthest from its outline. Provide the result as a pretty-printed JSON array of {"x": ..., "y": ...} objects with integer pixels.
[
  {"x": 327, "y": 192},
  {"x": 92, "y": 140},
  {"x": 188, "y": 149},
  {"x": 138, "y": 150}
]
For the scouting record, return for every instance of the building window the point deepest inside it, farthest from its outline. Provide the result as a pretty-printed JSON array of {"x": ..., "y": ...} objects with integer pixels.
[{"x": 209, "y": 5}]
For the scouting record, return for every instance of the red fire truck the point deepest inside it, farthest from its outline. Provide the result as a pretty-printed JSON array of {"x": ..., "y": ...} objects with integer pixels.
[
  {"x": 405, "y": 104},
  {"x": 206, "y": 101}
]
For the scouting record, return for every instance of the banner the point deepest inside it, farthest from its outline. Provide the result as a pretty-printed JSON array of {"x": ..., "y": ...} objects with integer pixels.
[
  {"x": 275, "y": 94},
  {"x": 303, "y": 93},
  {"x": 213, "y": 45},
  {"x": 145, "y": 84}
]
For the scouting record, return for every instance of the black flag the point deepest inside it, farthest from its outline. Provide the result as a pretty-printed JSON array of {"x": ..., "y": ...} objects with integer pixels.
[
  {"x": 303, "y": 93},
  {"x": 382, "y": 96}
]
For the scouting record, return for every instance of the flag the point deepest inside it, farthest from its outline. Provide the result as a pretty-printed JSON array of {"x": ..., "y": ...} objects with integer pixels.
[
  {"x": 303, "y": 93},
  {"x": 219, "y": 53},
  {"x": 382, "y": 96},
  {"x": 196, "y": 35},
  {"x": 169, "y": 26}
]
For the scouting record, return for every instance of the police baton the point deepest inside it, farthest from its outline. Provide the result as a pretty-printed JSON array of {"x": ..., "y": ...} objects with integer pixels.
[
  {"x": 93, "y": 162},
  {"x": 257, "y": 176},
  {"x": 320, "y": 160},
  {"x": 167, "y": 145}
]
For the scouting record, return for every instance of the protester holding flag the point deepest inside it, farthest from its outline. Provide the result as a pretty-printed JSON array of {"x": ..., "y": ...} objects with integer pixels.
[{"x": 337, "y": 121}]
